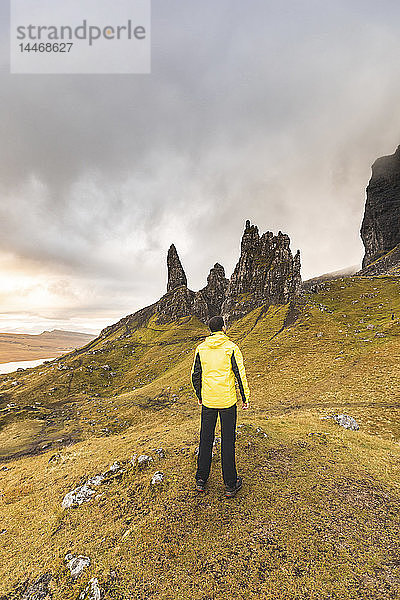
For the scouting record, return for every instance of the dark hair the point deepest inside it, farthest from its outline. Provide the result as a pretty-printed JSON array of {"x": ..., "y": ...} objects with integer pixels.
[{"x": 216, "y": 323}]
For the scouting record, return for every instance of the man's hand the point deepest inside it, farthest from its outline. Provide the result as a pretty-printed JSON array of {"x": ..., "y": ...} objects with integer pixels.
[{"x": 245, "y": 405}]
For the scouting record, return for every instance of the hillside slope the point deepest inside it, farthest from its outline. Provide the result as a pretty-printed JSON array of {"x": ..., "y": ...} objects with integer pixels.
[{"x": 318, "y": 515}]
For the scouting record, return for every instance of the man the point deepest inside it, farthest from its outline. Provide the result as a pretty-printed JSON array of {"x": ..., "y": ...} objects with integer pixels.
[{"x": 217, "y": 362}]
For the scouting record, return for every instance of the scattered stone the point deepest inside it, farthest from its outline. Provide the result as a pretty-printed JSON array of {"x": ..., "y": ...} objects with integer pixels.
[
  {"x": 133, "y": 460},
  {"x": 85, "y": 492},
  {"x": 92, "y": 591},
  {"x": 261, "y": 433},
  {"x": 160, "y": 452},
  {"x": 114, "y": 469},
  {"x": 157, "y": 477},
  {"x": 76, "y": 564},
  {"x": 346, "y": 421},
  {"x": 78, "y": 496}
]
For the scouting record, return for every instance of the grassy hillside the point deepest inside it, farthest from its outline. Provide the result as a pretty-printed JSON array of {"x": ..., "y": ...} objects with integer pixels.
[{"x": 318, "y": 515}]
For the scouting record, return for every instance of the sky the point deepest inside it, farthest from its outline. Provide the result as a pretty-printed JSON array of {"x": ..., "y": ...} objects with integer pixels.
[{"x": 261, "y": 110}]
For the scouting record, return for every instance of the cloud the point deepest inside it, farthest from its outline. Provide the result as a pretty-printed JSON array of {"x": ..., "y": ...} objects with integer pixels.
[{"x": 273, "y": 112}]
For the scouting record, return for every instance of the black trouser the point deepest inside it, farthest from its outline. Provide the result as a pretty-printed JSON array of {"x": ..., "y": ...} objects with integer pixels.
[{"x": 227, "y": 418}]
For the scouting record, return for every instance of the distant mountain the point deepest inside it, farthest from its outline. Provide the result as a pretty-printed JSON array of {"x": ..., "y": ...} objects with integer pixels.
[
  {"x": 25, "y": 346},
  {"x": 310, "y": 284}
]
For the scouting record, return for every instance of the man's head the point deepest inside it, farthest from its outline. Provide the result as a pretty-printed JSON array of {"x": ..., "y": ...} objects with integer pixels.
[{"x": 216, "y": 324}]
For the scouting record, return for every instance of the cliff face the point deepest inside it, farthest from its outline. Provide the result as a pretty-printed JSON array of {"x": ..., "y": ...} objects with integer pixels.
[
  {"x": 380, "y": 229},
  {"x": 266, "y": 272}
]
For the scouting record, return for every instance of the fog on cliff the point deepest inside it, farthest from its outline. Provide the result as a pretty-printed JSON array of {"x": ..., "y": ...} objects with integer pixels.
[{"x": 266, "y": 111}]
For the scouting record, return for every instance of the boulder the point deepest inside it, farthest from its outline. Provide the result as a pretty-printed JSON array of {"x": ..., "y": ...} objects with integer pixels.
[
  {"x": 346, "y": 421},
  {"x": 92, "y": 591},
  {"x": 144, "y": 461},
  {"x": 158, "y": 477},
  {"x": 76, "y": 564}
]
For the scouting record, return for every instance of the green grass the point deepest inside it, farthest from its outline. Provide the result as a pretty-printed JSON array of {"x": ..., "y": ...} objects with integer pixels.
[{"x": 318, "y": 515}]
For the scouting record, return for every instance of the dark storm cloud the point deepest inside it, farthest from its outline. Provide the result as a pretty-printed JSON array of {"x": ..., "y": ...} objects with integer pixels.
[{"x": 261, "y": 110}]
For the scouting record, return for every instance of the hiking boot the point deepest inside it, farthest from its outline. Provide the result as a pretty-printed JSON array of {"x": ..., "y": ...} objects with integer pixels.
[
  {"x": 229, "y": 492},
  {"x": 200, "y": 485}
]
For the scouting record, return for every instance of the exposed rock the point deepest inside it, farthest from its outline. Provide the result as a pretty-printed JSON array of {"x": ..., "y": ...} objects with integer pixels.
[
  {"x": 266, "y": 273},
  {"x": 38, "y": 590},
  {"x": 215, "y": 290},
  {"x": 114, "y": 469},
  {"x": 157, "y": 478},
  {"x": 76, "y": 564},
  {"x": 389, "y": 264},
  {"x": 176, "y": 274},
  {"x": 78, "y": 496},
  {"x": 346, "y": 421},
  {"x": 85, "y": 492},
  {"x": 261, "y": 433},
  {"x": 178, "y": 303},
  {"x": 144, "y": 461},
  {"x": 160, "y": 452},
  {"x": 380, "y": 229},
  {"x": 92, "y": 591}
]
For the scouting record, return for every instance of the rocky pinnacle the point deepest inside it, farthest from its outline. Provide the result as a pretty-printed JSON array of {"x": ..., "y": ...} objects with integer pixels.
[{"x": 176, "y": 274}]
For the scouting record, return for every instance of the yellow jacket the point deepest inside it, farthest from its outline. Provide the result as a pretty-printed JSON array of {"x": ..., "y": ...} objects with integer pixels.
[{"x": 217, "y": 361}]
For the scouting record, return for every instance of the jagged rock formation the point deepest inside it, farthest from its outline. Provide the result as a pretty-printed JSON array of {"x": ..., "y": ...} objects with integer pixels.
[
  {"x": 178, "y": 303},
  {"x": 214, "y": 292},
  {"x": 176, "y": 274},
  {"x": 181, "y": 302},
  {"x": 266, "y": 272},
  {"x": 380, "y": 229}
]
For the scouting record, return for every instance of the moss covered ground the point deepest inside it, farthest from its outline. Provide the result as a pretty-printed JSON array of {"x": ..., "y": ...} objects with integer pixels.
[{"x": 318, "y": 515}]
